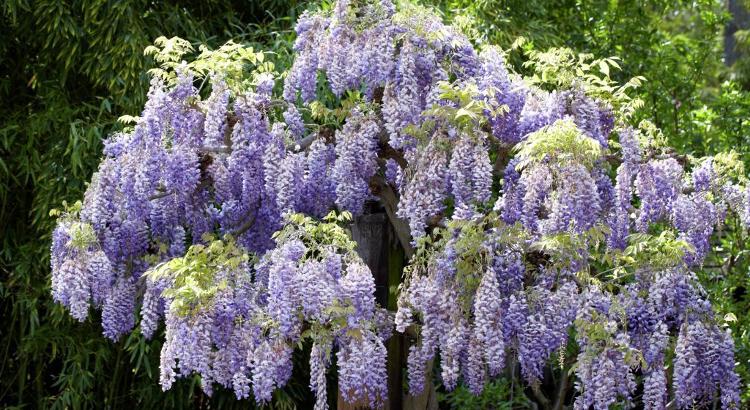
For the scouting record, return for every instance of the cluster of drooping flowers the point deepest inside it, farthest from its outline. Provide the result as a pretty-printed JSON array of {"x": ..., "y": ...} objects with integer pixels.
[
  {"x": 315, "y": 278},
  {"x": 236, "y": 325},
  {"x": 556, "y": 180},
  {"x": 424, "y": 192},
  {"x": 704, "y": 359},
  {"x": 470, "y": 175},
  {"x": 356, "y": 154},
  {"x": 619, "y": 218},
  {"x": 210, "y": 306},
  {"x": 450, "y": 129},
  {"x": 473, "y": 307},
  {"x": 557, "y": 187},
  {"x": 577, "y": 206},
  {"x": 185, "y": 169},
  {"x": 605, "y": 365},
  {"x": 507, "y": 92},
  {"x": 82, "y": 275},
  {"x": 658, "y": 184},
  {"x": 188, "y": 169}
]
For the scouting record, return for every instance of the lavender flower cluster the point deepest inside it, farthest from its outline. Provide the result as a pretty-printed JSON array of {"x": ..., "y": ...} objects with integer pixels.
[
  {"x": 222, "y": 167},
  {"x": 242, "y": 337},
  {"x": 513, "y": 283}
]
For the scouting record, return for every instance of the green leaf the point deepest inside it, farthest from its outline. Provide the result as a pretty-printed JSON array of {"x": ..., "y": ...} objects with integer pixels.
[{"x": 604, "y": 67}]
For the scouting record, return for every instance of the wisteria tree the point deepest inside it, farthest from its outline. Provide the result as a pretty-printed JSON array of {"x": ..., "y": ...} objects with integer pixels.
[{"x": 549, "y": 240}]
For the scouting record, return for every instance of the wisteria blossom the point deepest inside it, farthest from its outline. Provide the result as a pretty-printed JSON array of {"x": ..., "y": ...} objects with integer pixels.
[{"x": 546, "y": 237}]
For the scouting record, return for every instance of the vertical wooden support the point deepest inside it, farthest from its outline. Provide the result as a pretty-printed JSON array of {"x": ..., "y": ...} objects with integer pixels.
[
  {"x": 396, "y": 358},
  {"x": 380, "y": 249},
  {"x": 370, "y": 232}
]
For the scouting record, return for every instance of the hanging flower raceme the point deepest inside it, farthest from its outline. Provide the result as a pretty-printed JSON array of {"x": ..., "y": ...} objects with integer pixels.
[
  {"x": 469, "y": 174},
  {"x": 356, "y": 155},
  {"x": 425, "y": 191}
]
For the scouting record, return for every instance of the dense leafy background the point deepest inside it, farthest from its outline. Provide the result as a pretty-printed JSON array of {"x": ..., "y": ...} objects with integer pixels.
[{"x": 68, "y": 69}]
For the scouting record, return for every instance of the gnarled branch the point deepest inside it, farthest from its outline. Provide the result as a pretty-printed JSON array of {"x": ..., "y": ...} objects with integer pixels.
[{"x": 388, "y": 197}]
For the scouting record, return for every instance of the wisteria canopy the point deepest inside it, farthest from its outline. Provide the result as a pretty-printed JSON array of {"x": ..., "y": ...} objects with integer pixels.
[{"x": 533, "y": 213}]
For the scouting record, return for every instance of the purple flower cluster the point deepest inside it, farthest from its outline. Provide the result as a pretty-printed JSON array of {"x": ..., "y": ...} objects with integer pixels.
[
  {"x": 537, "y": 182},
  {"x": 216, "y": 113},
  {"x": 319, "y": 362},
  {"x": 488, "y": 326},
  {"x": 331, "y": 44},
  {"x": 546, "y": 328},
  {"x": 361, "y": 369},
  {"x": 593, "y": 117},
  {"x": 704, "y": 363},
  {"x": 510, "y": 203},
  {"x": 605, "y": 367},
  {"x": 658, "y": 183},
  {"x": 423, "y": 194},
  {"x": 303, "y": 75},
  {"x": 576, "y": 206},
  {"x": 604, "y": 379},
  {"x": 356, "y": 153},
  {"x": 80, "y": 276},
  {"x": 622, "y": 207},
  {"x": 402, "y": 103},
  {"x": 501, "y": 90},
  {"x": 242, "y": 336},
  {"x": 318, "y": 187},
  {"x": 469, "y": 175},
  {"x": 294, "y": 122},
  {"x": 314, "y": 290},
  {"x": 502, "y": 317},
  {"x": 540, "y": 109},
  {"x": 704, "y": 176},
  {"x": 655, "y": 383},
  {"x": 436, "y": 304},
  {"x": 694, "y": 216},
  {"x": 216, "y": 341},
  {"x": 503, "y": 286}
]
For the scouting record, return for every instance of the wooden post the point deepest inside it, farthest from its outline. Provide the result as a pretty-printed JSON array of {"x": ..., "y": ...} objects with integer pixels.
[
  {"x": 371, "y": 233},
  {"x": 380, "y": 248}
]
